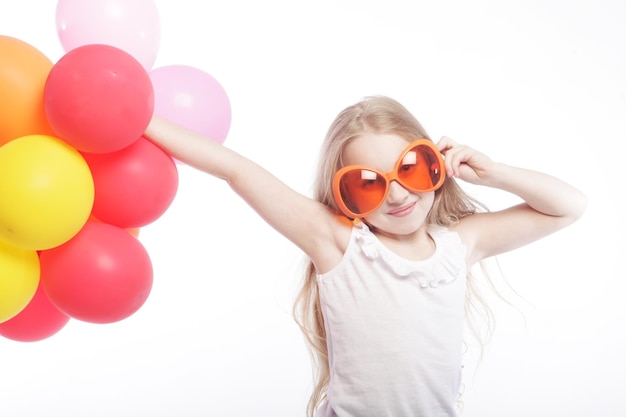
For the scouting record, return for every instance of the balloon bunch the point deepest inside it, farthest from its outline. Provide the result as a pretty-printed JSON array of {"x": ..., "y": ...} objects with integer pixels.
[{"x": 77, "y": 178}]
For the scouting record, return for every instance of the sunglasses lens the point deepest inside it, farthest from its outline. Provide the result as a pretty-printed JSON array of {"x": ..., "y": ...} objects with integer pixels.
[
  {"x": 362, "y": 190},
  {"x": 420, "y": 169}
]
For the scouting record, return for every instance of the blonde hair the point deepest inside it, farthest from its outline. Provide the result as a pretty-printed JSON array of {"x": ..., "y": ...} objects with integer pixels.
[{"x": 378, "y": 115}]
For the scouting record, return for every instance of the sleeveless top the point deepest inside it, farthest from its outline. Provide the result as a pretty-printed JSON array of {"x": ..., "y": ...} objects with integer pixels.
[{"x": 394, "y": 329}]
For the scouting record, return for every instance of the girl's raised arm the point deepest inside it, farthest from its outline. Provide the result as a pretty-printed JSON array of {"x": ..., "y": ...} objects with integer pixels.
[
  {"x": 306, "y": 222},
  {"x": 549, "y": 203}
]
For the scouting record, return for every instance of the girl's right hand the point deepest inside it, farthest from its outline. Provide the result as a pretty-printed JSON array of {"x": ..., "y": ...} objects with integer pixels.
[{"x": 464, "y": 162}]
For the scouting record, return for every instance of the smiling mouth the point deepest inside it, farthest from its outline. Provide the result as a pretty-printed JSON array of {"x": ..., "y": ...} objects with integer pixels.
[{"x": 403, "y": 211}]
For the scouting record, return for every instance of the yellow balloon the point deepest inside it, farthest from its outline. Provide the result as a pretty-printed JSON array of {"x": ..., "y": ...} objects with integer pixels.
[
  {"x": 46, "y": 192},
  {"x": 19, "y": 278}
]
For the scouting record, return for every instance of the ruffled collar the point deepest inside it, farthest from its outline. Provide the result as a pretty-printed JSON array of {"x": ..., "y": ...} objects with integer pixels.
[{"x": 442, "y": 267}]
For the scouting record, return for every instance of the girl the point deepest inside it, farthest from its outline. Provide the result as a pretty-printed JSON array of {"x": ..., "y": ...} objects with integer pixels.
[{"x": 391, "y": 238}]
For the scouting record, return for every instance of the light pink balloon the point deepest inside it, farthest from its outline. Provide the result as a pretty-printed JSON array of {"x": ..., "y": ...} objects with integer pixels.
[
  {"x": 131, "y": 25},
  {"x": 192, "y": 98}
]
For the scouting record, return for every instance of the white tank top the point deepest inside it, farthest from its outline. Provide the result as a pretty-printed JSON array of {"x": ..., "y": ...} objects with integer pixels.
[{"x": 394, "y": 329}]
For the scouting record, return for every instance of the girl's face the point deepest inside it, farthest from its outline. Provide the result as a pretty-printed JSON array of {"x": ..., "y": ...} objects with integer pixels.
[{"x": 403, "y": 212}]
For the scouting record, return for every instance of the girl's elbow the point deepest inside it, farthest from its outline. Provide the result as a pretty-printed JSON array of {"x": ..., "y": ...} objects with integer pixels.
[{"x": 577, "y": 208}]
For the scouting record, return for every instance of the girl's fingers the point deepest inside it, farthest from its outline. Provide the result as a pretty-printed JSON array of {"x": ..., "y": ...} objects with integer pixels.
[
  {"x": 445, "y": 143},
  {"x": 454, "y": 157},
  {"x": 461, "y": 161},
  {"x": 447, "y": 148}
]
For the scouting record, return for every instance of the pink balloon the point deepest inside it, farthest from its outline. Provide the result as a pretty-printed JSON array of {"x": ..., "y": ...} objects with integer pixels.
[
  {"x": 131, "y": 25},
  {"x": 101, "y": 275},
  {"x": 39, "y": 320},
  {"x": 133, "y": 186},
  {"x": 192, "y": 98}
]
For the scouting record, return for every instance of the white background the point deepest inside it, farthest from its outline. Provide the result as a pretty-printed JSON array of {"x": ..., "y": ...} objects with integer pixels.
[{"x": 540, "y": 84}]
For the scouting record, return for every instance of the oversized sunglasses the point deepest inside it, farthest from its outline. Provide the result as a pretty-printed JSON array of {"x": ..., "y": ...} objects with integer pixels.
[{"x": 360, "y": 190}]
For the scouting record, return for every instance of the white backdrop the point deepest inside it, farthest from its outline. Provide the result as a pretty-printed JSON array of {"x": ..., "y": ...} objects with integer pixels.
[{"x": 536, "y": 83}]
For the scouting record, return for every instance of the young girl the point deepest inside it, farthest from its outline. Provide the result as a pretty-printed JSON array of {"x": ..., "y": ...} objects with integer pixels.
[{"x": 391, "y": 238}]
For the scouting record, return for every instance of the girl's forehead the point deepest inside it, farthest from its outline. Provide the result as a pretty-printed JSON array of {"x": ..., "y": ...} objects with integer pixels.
[{"x": 379, "y": 151}]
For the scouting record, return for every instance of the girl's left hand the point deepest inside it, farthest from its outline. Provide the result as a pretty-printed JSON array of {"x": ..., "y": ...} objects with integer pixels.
[{"x": 464, "y": 162}]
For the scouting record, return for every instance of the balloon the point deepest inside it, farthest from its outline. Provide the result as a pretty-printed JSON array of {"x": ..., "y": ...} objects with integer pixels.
[
  {"x": 133, "y": 231},
  {"x": 46, "y": 192},
  {"x": 134, "y": 186},
  {"x": 19, "y": 277},
  {"x": 102, "y": 275},
  {"x": 23, "y": 73},
  {"x": 39, "y": 320},
  {"x": 130, "y": 25},
  {"x": 98, "y": 98},
  {"x": 192, "y": 98}
]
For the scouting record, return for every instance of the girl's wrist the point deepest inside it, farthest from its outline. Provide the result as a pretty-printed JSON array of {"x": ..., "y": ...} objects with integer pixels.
[{"x": 497, "y": 176}]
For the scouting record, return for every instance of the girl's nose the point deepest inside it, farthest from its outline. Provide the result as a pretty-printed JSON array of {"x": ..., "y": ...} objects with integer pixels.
[{"x": 397, "y": 193}]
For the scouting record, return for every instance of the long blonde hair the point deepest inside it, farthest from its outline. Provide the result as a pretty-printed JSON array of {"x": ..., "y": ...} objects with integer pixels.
[{"x": 379, "y": 115}]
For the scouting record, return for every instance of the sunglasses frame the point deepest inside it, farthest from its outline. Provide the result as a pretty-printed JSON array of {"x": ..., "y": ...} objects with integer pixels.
[{"x": 389, "y": 177}]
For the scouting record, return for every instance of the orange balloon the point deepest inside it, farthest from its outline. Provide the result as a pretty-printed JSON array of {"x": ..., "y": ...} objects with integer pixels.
[
  {"x": 23, "y": 74},
  {"x": 133, "y": 231}
]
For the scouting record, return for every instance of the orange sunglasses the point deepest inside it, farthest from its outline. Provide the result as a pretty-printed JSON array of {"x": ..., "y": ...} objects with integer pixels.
[{"x": 361, "y": 190}]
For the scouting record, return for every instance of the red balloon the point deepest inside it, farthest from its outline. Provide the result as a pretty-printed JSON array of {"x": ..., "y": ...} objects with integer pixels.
[
  {"x": 133, "y": 186},
  {"x": 98, "y": 98},
  {"x": 39, "y": 320},
  {"x": 101, "y": 275}
]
